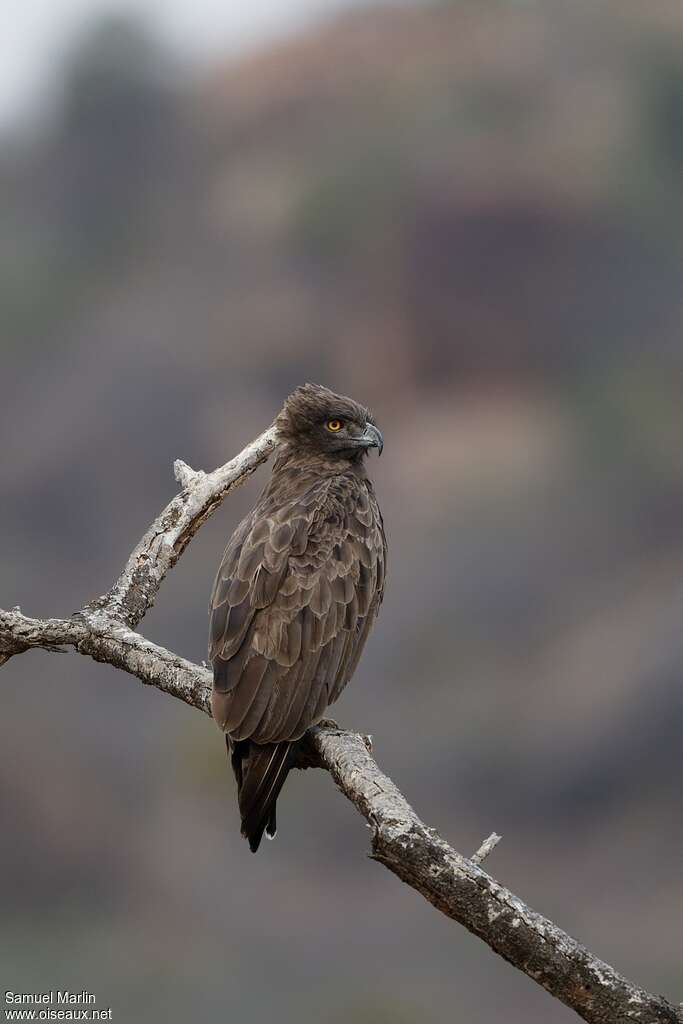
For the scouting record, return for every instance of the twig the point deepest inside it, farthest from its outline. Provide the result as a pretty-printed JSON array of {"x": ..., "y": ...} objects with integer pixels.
[
  {"x": 104, "y": 630},
  {"x": 487, "y": 847}
]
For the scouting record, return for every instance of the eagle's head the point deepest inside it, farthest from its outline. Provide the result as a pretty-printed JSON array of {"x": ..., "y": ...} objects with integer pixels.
[{"x": 316, "y": 419}]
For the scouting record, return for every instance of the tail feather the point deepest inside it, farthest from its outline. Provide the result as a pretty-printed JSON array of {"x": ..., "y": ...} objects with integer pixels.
[
  {"x": 261, "y": 770},
  {"x": 271, "y": 827}
]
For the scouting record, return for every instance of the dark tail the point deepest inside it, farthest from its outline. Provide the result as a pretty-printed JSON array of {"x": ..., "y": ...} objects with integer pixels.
[{"x": 260, "y": 770}]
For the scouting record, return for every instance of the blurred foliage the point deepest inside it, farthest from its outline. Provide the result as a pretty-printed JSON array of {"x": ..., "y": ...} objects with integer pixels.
[
  {"x": 372, "y": 191},
  {"x": 117, "y": 123},
  {"x": 662, "y": 111}
]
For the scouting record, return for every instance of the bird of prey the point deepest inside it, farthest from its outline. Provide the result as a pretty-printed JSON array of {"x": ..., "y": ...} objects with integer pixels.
[{"x": 296, "y": 594}]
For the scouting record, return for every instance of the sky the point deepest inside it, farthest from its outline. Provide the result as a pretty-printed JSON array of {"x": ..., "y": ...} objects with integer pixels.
[{"x": 36, "y": 34}]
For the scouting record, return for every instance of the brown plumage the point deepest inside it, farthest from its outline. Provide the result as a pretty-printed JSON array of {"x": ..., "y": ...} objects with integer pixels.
[{"x": 296, "y": 594}]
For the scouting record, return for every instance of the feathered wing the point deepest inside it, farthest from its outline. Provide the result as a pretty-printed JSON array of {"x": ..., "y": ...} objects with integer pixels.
[{"x": 294, "y": 600}]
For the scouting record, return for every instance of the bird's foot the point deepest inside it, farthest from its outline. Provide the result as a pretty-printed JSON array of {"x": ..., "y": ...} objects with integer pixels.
[
  {"x": 327, "y": 723},
  {"x": 303, "y": 754},
  {"x": 332, "y": 726}
]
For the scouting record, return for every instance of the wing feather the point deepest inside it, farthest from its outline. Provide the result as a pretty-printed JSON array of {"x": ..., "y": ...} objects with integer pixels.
[{"x": 294, "y": 600}]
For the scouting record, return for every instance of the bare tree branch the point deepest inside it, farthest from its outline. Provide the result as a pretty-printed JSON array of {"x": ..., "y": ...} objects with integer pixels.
[
  {"x": 487, "y": 847},
  {"x": 462, "y": 891},
  {"x": 164, "y": 542},
  {"x": 103, "y": 639},
  {"x": 458, "y": 887}
]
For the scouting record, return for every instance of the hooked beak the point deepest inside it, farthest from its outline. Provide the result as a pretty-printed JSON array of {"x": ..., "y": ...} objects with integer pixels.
[{"x": 372, "y": 438}]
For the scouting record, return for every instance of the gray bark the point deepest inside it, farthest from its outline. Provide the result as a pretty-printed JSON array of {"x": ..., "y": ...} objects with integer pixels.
[
  {"x": 416, "y": 853},
  {"x": 134, "y": 591}
]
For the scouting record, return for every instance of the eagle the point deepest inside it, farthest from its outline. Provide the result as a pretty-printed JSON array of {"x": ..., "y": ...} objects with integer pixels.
[{"x": 296, "y": 595}]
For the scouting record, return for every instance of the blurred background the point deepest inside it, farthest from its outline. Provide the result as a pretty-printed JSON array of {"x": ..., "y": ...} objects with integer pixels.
[{"x": 469, "y": 216}]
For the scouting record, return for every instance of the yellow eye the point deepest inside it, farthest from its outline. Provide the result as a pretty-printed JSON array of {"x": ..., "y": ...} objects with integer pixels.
[{"x": 334, "y": 425}]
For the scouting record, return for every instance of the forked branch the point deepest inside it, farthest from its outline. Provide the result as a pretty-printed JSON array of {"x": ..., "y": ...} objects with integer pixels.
[{"x": 455, "y": 885}]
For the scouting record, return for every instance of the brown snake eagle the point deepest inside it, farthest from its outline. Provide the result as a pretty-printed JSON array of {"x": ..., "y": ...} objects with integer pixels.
[{"x": 296, "y": 595}]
